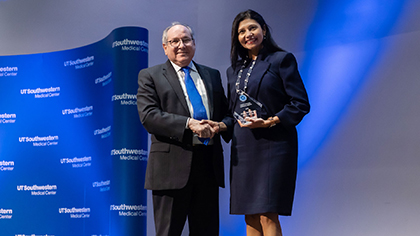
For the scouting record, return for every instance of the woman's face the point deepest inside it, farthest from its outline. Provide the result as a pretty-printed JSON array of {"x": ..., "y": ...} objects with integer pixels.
[{"x": 251, "y": 36}]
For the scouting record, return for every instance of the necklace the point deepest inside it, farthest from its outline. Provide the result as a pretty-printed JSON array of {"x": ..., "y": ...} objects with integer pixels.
[{"x": 248, "y": 74}]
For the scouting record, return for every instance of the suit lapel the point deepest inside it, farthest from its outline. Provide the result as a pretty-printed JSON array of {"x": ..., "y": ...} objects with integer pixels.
[
  {"x": 170, "y": 74},
  {"x": 257, "y": 74}
]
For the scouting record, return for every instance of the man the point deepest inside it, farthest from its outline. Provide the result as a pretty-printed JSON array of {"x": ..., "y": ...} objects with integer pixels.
[{"x": 185, "y": 166}]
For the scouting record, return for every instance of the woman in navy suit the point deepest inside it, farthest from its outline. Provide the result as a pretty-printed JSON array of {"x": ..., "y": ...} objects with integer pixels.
[{"x": 264, "y": 144}]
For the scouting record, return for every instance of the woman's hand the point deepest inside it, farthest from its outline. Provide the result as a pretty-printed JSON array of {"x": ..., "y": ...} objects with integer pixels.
[{"x": 254, "y": 122}]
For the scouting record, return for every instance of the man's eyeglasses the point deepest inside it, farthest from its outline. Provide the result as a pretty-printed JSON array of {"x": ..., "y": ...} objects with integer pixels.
[{"x": 176, "y": 42}]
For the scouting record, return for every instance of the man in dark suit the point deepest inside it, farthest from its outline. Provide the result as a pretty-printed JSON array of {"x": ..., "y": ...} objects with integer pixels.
[{"x": 185, "y": 166}]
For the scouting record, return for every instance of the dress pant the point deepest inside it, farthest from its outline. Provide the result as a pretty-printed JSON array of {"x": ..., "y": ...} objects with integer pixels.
[{"x": 198, "y": 201}]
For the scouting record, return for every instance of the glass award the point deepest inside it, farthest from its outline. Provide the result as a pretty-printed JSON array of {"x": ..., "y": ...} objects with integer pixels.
[{"x": 247, "y": 107}]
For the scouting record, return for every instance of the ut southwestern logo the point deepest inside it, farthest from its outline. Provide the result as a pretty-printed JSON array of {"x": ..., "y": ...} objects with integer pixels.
[
  {"x": 75, "y": 213},
  {"x": 77, "y": 162},
  {"x": 81, "y": 63},
  {"x": 102, "y": 185},
  {"x": 7, "y": 165},
  {"x": 6, "y": 214},
  {"x": 104, "y": 132},
  {"x": 130, "y": 154},
  {"x": 40, "y": 141},
  {"x": 42, "y": 92},
  {"x": 7, "y": 118},
  {"x": 125, "y": 98},
  {"x": 129, "y": 210},
  {"x": 38, "y": 190},
  {"x": 131, "y": 45},
  {"x": 34, "y": 235},
  {"x": 78, "y": 112},
  {"x": 8, "y": 71},
  {"x": 106, "y": 79}
]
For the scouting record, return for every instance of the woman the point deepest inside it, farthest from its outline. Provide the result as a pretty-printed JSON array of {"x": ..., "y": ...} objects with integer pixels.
[{"x": 264, "y": 144}]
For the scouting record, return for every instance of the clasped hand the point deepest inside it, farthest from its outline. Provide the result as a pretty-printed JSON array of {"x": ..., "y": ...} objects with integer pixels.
[{"x": 204, "y": 128}]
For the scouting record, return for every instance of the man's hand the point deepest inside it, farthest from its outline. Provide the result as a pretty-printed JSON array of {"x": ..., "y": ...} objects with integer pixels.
[
  {"x": 217, "y": 126},
  {"x": 202, "y": 129}
]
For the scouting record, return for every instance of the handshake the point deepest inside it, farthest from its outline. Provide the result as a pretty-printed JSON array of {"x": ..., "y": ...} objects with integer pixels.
[{"x": 206, "y": 128}]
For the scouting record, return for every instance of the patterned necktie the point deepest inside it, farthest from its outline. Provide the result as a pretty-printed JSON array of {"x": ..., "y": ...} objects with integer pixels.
[{"x": 195, "y": 99}]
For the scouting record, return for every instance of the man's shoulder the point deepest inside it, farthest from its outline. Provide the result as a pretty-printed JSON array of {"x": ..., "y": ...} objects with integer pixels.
[
  {"x": 154, "y": 69},
  {"x": 203, "y": 67}
]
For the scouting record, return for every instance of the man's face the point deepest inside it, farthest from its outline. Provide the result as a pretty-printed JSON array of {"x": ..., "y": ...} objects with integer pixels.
[{"x": 183, "y": 53}]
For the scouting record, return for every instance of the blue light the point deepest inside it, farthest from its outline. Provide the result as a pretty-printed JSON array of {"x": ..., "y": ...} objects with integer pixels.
[{"x": 342, "y": 48}]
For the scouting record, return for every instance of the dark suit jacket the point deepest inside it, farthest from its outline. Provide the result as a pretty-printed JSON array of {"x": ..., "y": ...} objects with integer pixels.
[
  {"x": 163, "y": 112},
  {"x": 276, "y": 83}
]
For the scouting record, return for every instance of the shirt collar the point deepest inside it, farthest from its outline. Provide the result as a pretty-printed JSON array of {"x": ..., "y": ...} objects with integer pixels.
[{"x": 178, "y": 68}]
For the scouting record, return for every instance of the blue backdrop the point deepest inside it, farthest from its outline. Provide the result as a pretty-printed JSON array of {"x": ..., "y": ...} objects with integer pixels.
[{"x": 72, "y": 149}]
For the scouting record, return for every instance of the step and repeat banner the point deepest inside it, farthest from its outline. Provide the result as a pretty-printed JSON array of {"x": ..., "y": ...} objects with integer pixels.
[{"x": 72, "y": 149}]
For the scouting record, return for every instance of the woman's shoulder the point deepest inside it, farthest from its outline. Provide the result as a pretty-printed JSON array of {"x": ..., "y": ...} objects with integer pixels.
[
  {"x": 231, "y": 70},
  {"x": 281, "y": 59},
  {"x": 278, "y": 56}
]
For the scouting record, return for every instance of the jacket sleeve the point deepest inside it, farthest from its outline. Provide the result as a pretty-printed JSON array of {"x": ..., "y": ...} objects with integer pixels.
[
  {"x": 298, "y": 105},
  {"x": 157, "y": 109},
  {"x": 228, "y": 119}
]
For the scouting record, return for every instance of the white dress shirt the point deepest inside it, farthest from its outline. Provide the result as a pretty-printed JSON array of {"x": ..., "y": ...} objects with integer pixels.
[{"x": 199, "y": 84}]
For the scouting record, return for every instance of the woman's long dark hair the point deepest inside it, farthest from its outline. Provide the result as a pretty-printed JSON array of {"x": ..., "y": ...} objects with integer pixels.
[{"x": 236, "y": 50}]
